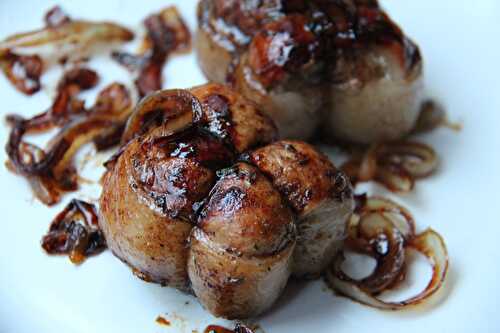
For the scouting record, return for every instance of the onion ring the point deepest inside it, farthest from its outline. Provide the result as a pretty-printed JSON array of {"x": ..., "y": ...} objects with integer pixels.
[{"x": 374, "y": 231}]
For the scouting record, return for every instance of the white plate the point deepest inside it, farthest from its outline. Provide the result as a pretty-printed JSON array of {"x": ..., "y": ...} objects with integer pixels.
[{"x": 459, "y": 40}]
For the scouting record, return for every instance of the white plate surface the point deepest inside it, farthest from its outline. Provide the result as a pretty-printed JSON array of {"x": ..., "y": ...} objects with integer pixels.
[{"x": 459, "y": 40}]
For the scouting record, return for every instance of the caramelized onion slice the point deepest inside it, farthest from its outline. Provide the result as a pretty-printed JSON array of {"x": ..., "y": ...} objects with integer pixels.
[
  {"x": 379, "y": 238},
  {"x": 429, "y": 243},
  {"x": 400, "y": 217},
  {"x": 23, "y": 71},
  {"x": 395, "y": 178},
  {"x": 51, "y": 172},
  {"x": 75, "y": 232},
  {"x": 384, "y": 230},
  {"x": 171, "y": 110},
  {"x": 74, "y": 136},
  {"x": 166, "y": 34},
  {"x": 111, "y": 109},
  {"x": 395, "y": 165},
  {"x": 432, "y": 115},
  {"x": 172, "y": 20},
  {"x": 43, "y": 187},
  {"x": 77, "y": 33},
  {"x": 66, "y": 105},
  {"x": 417, "y": 159}
]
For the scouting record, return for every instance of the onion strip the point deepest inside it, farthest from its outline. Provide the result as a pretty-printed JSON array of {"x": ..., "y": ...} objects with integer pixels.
[
  {"x": 51, "y": 172},
  {"x": 77, "y": 33}
]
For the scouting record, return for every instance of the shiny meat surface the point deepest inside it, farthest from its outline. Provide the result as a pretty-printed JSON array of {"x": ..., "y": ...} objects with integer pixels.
[
  {"x": 320, "y": 195},
  {"x": 212, "y": 206},
  {"x": 342, "y": 67}
]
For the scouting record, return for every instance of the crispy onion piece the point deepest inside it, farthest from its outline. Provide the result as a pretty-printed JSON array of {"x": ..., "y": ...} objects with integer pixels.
[
  {"x": 396, "y": 165},
  {"x": 75, "y": 232},
  {"x": 167, "y": 111},
  {"x": 166, "y": 33},
  {"x": 23, "y": 71},
  {"x": 374, "y": 230},
  {"x": 51, "y": 172}
]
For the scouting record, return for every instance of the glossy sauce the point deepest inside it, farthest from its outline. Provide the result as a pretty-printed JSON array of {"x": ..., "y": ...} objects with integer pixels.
[{"x": 298, "y": 36}]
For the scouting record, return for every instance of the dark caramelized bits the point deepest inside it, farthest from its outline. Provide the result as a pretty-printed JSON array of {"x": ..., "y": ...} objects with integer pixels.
[
  {"x": 79, "y": 77},
  {"x": 166, "y": 33},
  {"x": 23, "y": 71},
  {"x": 74, "y": 232}
]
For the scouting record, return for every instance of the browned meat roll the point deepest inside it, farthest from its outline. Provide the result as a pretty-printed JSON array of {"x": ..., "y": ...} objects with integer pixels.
[
  {"x": 342, "y": 67},
  {"x": 319, "y": 194},
  {"x": 206, "y": 203},
  {"x": 241, "y": 251}
]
